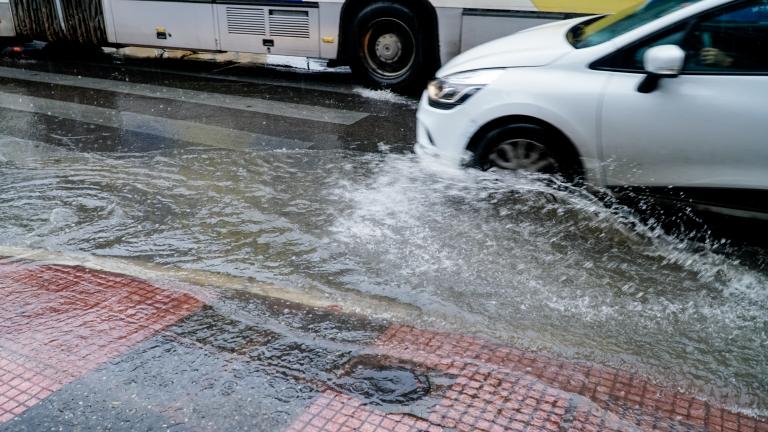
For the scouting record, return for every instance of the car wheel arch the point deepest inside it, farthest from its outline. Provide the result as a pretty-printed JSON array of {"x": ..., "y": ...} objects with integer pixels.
[{"x": 575, "y": 157}]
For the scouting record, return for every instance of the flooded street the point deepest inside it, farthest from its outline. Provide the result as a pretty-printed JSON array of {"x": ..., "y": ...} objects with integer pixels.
[{"x": 312, "y": 187}]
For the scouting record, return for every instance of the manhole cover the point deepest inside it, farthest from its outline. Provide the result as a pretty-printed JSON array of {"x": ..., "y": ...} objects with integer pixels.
[{"x": 385, "y": 384}]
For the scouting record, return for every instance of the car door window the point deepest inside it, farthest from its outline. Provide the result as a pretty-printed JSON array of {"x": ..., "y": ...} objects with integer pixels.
[
  {"x": 630, "y": 59},
  {"x": 735, "y": 41},
  {"x": 731, "y": 41}
]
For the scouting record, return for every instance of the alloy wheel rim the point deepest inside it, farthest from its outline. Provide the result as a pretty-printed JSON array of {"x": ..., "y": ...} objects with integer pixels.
[{"x": 522, "y": 155}]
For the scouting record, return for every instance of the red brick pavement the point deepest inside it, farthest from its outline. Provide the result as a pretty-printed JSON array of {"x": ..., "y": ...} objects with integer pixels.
[
  {"x": 336, "y": 412},
  {"x": 22, "y": 385},
  {"x": 498, "y": 389},
  {"x": 57, "y": 323}
]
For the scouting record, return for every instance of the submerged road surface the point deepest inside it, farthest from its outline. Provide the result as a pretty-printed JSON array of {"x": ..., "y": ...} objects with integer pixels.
[{"x": 300, "y": 240}]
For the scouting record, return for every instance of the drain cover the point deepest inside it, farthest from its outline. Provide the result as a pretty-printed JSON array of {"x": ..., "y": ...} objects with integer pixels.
[{"x": 385, "y": 384}]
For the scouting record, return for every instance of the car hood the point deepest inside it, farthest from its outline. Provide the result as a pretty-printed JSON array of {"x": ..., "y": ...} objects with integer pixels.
[{"x": 537, "y": 46}]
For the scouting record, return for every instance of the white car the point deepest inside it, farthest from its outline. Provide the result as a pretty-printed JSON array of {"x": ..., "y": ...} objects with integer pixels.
[{"x": 670, "y": 96}]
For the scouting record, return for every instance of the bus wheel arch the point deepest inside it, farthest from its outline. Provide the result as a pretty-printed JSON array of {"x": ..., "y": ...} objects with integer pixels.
[{"x": 378, "y": 39}]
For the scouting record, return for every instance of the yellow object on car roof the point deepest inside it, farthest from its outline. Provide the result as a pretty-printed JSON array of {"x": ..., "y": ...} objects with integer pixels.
[{"x": 585, "y": 6}]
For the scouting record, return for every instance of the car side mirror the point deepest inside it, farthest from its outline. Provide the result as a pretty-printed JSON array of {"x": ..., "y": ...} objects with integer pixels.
[{"x": 663, "y": 61}]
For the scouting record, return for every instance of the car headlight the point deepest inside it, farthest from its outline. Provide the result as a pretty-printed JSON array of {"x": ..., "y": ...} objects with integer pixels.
[{"x": 453, "y": 90}]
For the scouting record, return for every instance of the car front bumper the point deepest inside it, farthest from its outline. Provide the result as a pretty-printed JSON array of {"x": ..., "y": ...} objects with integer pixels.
[{"x": 443, "y": 134}]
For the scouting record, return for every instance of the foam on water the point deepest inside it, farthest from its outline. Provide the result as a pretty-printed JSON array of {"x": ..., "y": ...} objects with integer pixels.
[
  {"x": 385, "y": 96},
  {"x": 521, "y": 259},
  {"x": 536, "y": 262}
]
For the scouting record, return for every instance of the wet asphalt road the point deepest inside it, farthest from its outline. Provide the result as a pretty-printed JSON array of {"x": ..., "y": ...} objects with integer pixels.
[
  {"x": 306, "y": 180},
  {"x": 258, "y": 365},
  {"x": 161, "y": 104}
]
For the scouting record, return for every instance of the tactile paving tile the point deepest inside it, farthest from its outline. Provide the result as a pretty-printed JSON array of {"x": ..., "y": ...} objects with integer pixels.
[
  {"x": 22, "y": 385},
  {"x": 498, "y": 389},
  {"x": 596, "y": 397},
  {"x": 58, "y": 322},
  {"x": 335, "y": 412}
]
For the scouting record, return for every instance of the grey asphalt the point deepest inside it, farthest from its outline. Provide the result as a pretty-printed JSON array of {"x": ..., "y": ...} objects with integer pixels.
[{"x": 120, "y": 105}]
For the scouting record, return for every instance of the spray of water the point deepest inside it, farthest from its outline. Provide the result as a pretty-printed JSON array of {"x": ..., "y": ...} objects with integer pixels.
[
  {"x": 517, "y": 258},
  {"x": 532, "y": 260}
]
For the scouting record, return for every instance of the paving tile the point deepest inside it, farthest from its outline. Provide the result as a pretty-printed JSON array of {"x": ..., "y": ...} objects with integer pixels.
[
  {"x": 58, "y": 323},
  {"x": 502, "y": 388}
]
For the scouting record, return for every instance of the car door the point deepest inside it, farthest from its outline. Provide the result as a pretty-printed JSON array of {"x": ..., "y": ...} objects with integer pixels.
[{"x": 704, "y": 132}]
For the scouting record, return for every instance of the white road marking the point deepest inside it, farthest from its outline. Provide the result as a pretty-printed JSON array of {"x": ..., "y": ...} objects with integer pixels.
[
  {"x": 196, "y": 133},
  {"x": 284, "y": 109}
]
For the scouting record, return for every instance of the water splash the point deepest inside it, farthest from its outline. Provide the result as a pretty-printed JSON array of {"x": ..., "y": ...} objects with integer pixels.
[
  {"x": 517, "y": 258},
  {"x": 534, "y": 261}
]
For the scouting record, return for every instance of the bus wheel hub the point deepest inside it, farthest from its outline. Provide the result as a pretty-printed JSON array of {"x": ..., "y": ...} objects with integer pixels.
[{"x": 388, "y": 48}]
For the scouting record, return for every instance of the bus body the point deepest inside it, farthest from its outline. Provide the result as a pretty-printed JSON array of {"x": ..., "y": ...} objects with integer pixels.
[{"x": 390, "y": 36}]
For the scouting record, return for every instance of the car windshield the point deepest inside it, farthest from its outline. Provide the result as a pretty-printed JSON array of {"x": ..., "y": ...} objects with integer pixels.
[{"x": 597, "y": 31}]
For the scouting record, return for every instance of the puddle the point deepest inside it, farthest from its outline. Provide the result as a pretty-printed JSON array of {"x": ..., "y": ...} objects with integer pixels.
[
  {"x": 380, "y": 385},
  {"x": 510, "y": 258}
]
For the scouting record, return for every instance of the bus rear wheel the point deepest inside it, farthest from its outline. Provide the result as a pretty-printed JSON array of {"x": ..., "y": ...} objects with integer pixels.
[{"x": 389, "y": 48}]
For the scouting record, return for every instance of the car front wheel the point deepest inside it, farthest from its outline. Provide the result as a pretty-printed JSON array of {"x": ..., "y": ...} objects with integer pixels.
[{"x": 527, "y": 147}]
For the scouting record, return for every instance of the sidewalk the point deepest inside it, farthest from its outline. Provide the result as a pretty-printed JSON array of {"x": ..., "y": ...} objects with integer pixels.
[{"x": 88, "y": 350}]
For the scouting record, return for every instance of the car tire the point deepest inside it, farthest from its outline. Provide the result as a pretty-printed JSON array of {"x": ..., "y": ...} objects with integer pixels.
[
  {"x": 528, "y": 147},
  {"x": 390, "y": 48}
]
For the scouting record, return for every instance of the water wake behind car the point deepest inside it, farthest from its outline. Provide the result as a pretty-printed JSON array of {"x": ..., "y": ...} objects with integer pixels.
[{"x": 520, "y": 259}]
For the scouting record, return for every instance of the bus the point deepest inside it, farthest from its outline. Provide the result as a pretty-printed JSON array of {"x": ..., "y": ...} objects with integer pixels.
[{"x": 392, "y": 44}]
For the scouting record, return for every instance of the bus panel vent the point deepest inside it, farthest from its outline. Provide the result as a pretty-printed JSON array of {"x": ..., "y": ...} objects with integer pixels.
[
  {"x": 246, "y": 21},
  {"x": 289, "y": 23}
]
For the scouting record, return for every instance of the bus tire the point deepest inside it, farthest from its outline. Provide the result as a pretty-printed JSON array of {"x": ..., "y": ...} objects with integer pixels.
[{"x": 390, "y": 49}]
